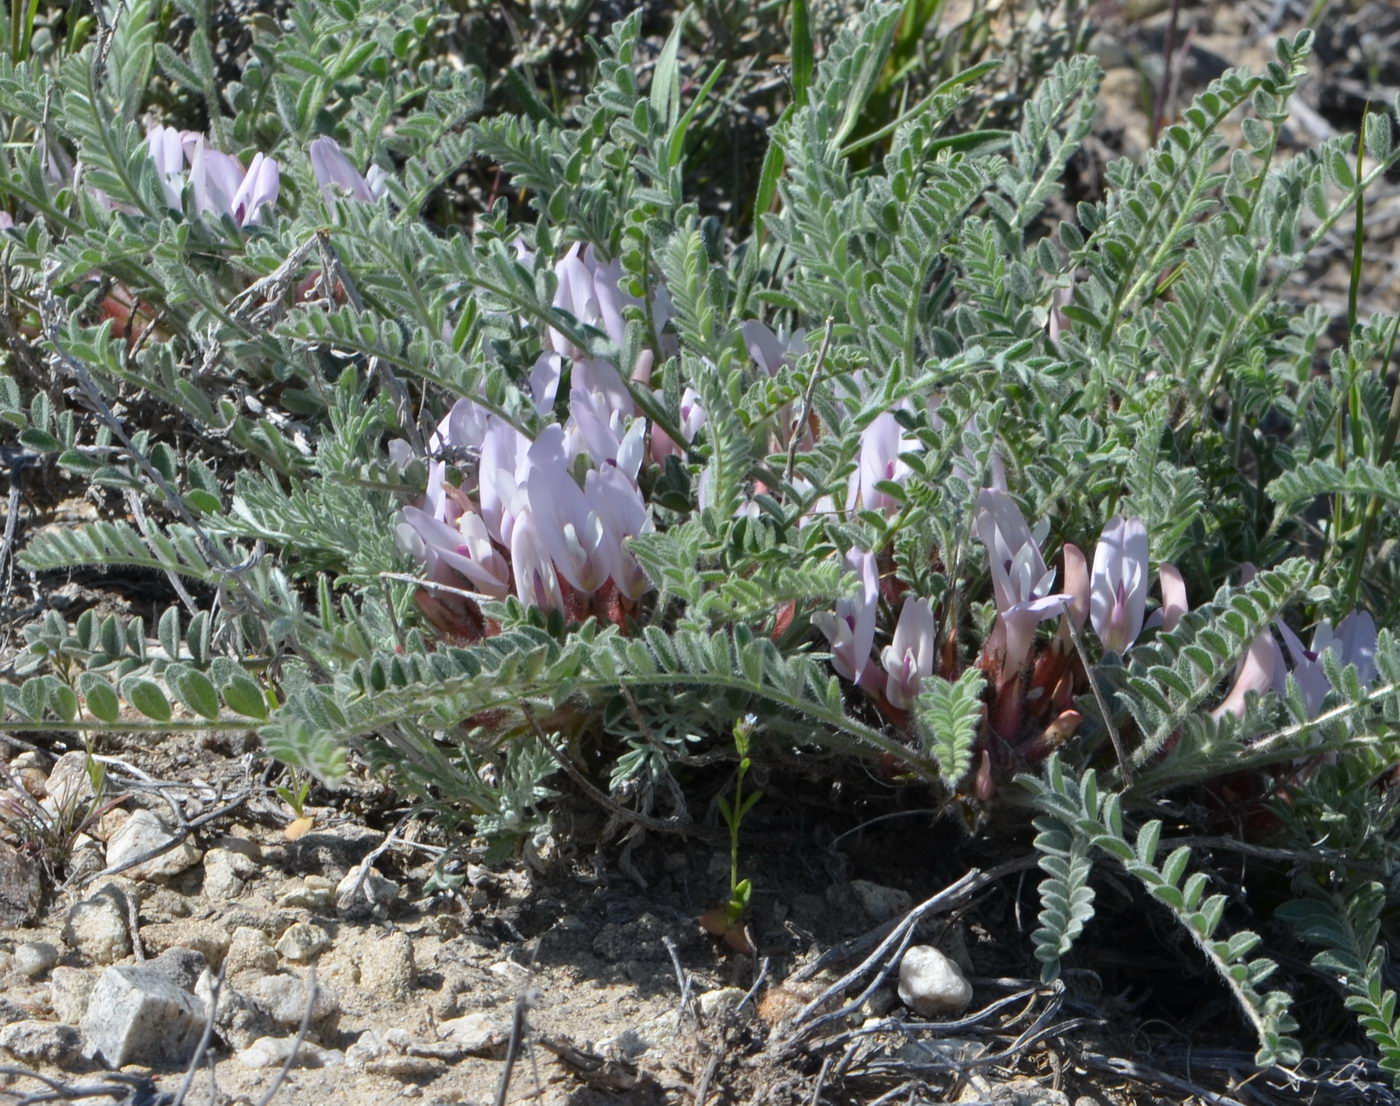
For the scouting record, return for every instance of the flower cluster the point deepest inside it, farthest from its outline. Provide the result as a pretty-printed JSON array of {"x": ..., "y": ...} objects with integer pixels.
[{"x": 218, "y": 183}]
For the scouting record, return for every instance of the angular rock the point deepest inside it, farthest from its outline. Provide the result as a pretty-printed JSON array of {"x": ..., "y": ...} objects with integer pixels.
[
  {"x": 97, "y": 927},
  {"x": 21, "y": 888},
  {"x": 476, "y": 1034},
  {"x": 314, "y": 893},
  {"x": 69, "y": 992},
  {"x": 182, "y": 967},
  {"x": 69, "y": 783},
  {"x": 226, "y": 873},
  {"x": 284, "y": 999},
  {"x": 250, "y": 951},
  {"x": 272, "y": 1052},
  {"x": 386, "y": 966},
  {"x": 239, "y": 1020},
  {"x": 34, "y": 958},
  {"x": 366, "y": 1049},
  {"x": 12, "y": 1012},
  {"x": 880, "y": 902},
  {"x": 137, "y": 1015},
  {"x": 209, "y": 939},
  {"x": 414, "y": 1069},
  {"x": 931, "y": 984},
  {"x": 303, "y": 941},
  {"x": 34, "y": 1042},
  {"x": 141, "y": 833}
]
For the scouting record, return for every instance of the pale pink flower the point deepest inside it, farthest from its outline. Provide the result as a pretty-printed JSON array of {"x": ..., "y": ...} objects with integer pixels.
[
  {"x": 465, "y": 547},
  {"x": 1262, "y": 669},
  {"x": 851, "y": 630},
  {"x": 910, "y": 656},
  {"x": 1118, "y": 587},
  {"x": 881, "y": 443},
  {"x": 536, "y": 582},
  {"x": 337, "y": 177},
  {"x": 1020, "y": 581}
]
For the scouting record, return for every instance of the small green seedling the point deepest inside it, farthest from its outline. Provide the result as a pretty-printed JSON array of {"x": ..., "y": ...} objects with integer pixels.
[{"x": 728, "y": 921}]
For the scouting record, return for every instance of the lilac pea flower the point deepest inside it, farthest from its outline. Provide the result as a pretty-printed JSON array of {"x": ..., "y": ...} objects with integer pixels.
[
  {"x": 1356, "y": 638},
  {"x": 1262, "y": 669},
  {"x": 500, "y": 478},
  {"x": 1354, "y": 642},
  {"x": 1174, "y": 601},
  {"x": 693, "y": 415},
  {"x": 1118, "y": 587},
  {"x": 851, "y": 630},
  {"x": 603, "y": 379},
  {"x": 258, "y": 190},
  {"x": 1020, "y": 581},
  {"x": 545, "y": 376},
  {"x": 168, "y": 155},
  {"x": 536, "y": 582},
  {"x": 620, "y": 507},
  {"x": 1307, "y": 670},
  {"x": 909, "y": 657},
  {"x": 881, "y": 443},
  {"x": 336, "y": 176},
  {"x": 1077, "y": 585},
  {"x": 215, "y": 178},
  {"x": 574, "y": 536},
  {"x": 467, "y": 548},
  {"x": 462, "y": 428}
]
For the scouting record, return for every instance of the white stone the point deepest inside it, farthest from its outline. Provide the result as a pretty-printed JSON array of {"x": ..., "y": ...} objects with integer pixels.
[
  {"x": 931, "y": 984},
  {"x": 473, "y": 1032},
  {"x": 226, "y": 873},
  {"x": 249, "y": 950},
  {"x": 69, "y": 783},
  {"x": 880, "y": 902},
  {"x": 69, "y": 991},
  {"x": 272, "y": 1052},
  {"x": 720, "y": 1004},
  {"x": 35, "y": 1042},
  {"x": 141, "y": 833},
  {"x": 97, "y": 926},
  {"x": 34, "y": 958},
  {"x": 386, "y": 965},
  {"x": 303, "y": 941},
  {"x": 368, "y": 1048},
  {"x": 137, "y": 1015},
  {"x": 284, "y": 998},
  {"x": 239, "y": 1020}
]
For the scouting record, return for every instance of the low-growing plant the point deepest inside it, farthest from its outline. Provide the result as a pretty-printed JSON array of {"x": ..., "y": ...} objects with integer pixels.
[{"x": 459, "y": 504}]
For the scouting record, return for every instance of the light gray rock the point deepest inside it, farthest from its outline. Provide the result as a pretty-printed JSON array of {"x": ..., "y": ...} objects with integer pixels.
[
  {"x": 720, "y": 1004},
  {"x": 12, "y": 1012},
  {"x": 34, "y": 1042},
  {"x": 1018, "y": 1092},
  {"x": 314, "y": 893},
  {"x": 474, "y": 1033},
  {"x": 880, "y": 902},
  {"x": 136, "y": 1014},
  {"x": 931, "y": 984},
  {"x": 140, "y": 834},
  {"x": 249, "y": 951},
  {"x": 272, "y": 1052},
  {"x": 97, "y": 926},
  {"x": 303, "y": 941},
  {"x": 69, "y": 992},
  {"x": 209, "y": 939},
  {"x": 69, "y": 783},
  {"x": 226, "y": 873},
  {"x": 366, "y": 1049},
  {"x": 358, "y": 896},
  {"x": 239, "y": 1020},
  {"x": 34, "y": 958},
  {"x": 386, "y": 965},
  {"x": 182, "y": 967},
  {"x": 284, "y": 999}
]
